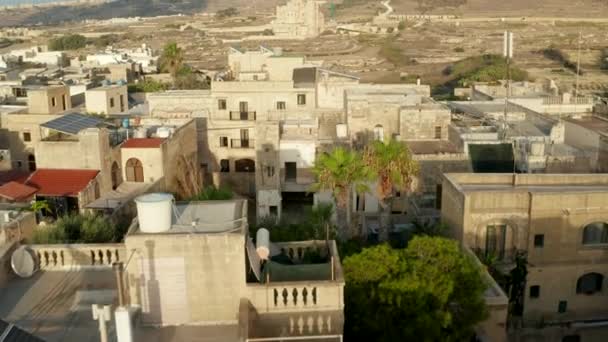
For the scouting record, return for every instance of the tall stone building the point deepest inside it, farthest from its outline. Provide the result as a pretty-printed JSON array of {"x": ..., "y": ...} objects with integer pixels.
[
  {"x": 558, "y": 222},
  {"x": 299, "y": 19}
]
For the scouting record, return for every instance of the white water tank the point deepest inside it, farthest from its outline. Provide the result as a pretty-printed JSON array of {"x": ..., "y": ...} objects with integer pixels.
[
  {"x": 341, "y": 130},
  {"x": 163, "y": 132},
  {"x": 154, "y": 212},
  {"x": 537, "y": 148},
  {"x": 262, "y": 243},
  {"x": 141, "y": 132}
]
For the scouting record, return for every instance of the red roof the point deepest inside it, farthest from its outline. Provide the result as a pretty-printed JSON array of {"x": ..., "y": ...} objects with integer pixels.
[
  {"x": 61, "y": 182},
  {"x": 143, "y": 143},
  {"x": 16, "y": 191}
]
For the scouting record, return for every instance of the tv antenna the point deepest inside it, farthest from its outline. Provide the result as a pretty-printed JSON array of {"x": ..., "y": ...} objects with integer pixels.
[{"x": 507, "y": 53}]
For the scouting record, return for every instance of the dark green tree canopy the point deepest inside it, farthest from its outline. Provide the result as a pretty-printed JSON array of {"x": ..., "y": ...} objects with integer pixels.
[{"x": 429, "y": 291}]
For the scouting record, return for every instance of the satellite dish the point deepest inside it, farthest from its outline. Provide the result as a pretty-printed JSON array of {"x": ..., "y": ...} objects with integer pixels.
[{"x": 24, "y": 262}]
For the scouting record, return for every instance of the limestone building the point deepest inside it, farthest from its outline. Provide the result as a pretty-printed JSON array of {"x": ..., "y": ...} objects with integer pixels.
[
  {"x": 199, "y": 277},
  {"x": 299, "y": 19},
  {"x": 260, "y": 129},
  {"x": 558, "y": 222}
]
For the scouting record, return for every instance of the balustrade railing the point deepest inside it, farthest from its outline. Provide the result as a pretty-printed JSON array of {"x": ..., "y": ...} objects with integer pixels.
[
  {"x": 294, "y": 297},
  {"x": 78, "y": 255}
]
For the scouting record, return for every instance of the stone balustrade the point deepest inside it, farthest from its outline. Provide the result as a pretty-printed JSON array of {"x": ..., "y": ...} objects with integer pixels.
[
  {"x": 61, "y": 256},
  {"x": 297, "y": 296}
]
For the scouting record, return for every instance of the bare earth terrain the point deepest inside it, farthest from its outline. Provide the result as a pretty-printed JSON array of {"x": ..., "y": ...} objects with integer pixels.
[{"x": 422, "y": 48}]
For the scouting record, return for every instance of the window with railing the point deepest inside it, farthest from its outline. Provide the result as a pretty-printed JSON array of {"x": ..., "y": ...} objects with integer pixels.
[
  {"x": 241, "y": 143},
  {"x": 242, "y": 116}
]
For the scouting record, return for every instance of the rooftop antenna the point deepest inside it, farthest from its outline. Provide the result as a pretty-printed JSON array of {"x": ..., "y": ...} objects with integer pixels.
[
  {"x": 507, "y": 53},
  {"x": 578, "y": 68}
]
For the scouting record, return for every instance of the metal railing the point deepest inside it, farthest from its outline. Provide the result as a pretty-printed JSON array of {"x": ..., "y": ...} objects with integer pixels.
[
  {"x": 242, "y": 116},
  {"x": 240, "y": 143}
]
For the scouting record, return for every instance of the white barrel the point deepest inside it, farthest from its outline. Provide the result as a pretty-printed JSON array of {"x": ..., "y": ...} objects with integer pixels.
[
  {"x": 262, "y": 243},
  {"x": 154, "y": 212}
]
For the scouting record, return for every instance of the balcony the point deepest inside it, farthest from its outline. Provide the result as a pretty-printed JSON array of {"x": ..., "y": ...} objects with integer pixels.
[
  {"x": 242, "y": 116},
  {"x": 298, "y": 182},
  {"x": 240, "y": 143}
]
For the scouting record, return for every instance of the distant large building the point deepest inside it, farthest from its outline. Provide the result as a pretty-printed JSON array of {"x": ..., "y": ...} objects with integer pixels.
[{"x": 299, "y": 19}]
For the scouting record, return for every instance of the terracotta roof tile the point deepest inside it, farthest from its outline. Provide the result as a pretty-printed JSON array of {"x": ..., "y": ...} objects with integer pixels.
[
  {"x": 61, "y": 182},
  {"x": 16, "y": 191},
  {"x": 143, "y": 143}
]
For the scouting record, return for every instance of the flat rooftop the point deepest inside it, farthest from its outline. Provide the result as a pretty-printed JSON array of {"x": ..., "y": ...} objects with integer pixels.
[
  {"x": 107, "y": 87},
  {"x": 432, "y": 147},
  {"x": 537, "y": 183},
  {"x": 592, "y": 123},
  {"x": 56, "y": 305},
  {"x": 204, "y": 217}
]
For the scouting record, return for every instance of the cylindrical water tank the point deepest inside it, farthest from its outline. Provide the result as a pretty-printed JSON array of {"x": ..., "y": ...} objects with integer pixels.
[
  {"x": 262, "y": 243},
  {"x": 163, "y": 132},
  {"x": 154, "y": 212},
  {"x": 125, "y": 122},
  {"x": 141, "y": 132}
]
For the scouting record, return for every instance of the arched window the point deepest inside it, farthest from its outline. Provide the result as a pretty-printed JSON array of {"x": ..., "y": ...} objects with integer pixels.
[
  {"x": 589, "y": 283},
  {"x": 244, "y": 165},
  {"x": 496, "y": 237},
  {"x": 115, "y": 175},
  {"x": 379, "y": 133},
  {"x": 134, "y": 170},
  {"x": 595, "y": 233},
  {"x": 31, "y": 162}
]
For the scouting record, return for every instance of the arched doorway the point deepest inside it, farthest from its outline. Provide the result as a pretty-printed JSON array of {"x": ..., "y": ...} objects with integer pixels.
[
  {"x": 31, "y": 163},
  {"x": 134, "y": 170},
  {"x": 115, "y": 176}
]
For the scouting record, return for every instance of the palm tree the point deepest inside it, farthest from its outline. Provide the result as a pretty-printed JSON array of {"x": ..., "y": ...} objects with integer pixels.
[
  {"x": 172, "y": 59},
  {"x": 394, "y": 167},
  {"x": 340, "y": 172},
  {"x": 321, "y": 215}
]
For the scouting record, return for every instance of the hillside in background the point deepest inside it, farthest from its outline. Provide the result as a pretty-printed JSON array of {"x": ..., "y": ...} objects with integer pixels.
[
  {"x": 123, "y": 9},
  {"x": 509, "y": 8}
]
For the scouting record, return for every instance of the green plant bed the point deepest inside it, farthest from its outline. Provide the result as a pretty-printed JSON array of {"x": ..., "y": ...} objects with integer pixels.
[{"x": 78, "y": 228}]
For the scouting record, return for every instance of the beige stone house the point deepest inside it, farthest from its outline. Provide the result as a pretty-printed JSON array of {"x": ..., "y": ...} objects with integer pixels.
[
  {"x": 260, "y": 129},
  {"x": 559, "y": 222},
  {"x": 107, "y": 100},
  {"x": 23, "y": 126}
]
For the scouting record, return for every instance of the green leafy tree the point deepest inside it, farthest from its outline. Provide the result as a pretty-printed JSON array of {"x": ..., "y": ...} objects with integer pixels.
[
  {"x": 78, "y": 228},
  {"x": 340, "y": 172},
  {"x": 430, "y": 291},
  {"x": 40, "y": 207},
  {"x": 172, "y": 59},
  {"x": 392, "y": 164},
  {"x": 68, "y": 42}
]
